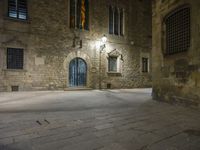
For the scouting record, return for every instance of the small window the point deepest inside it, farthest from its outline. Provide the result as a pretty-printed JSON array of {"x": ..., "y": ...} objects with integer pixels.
[
  {"x": 112, "y": 62},
  {"x": 177, "y": 29},
  {"x": 17, "y": 9},
  {"x": 15, "y": 58},
  {"x": 145, "y": 65},
  {"x": 79, "y": 14},
  {"x": 116, "y": 21}
]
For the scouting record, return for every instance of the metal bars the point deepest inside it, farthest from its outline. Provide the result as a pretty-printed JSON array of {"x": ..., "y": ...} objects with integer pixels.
[
  {"x": 15, "y": 58},
  {"x": 178, "y": 31}
]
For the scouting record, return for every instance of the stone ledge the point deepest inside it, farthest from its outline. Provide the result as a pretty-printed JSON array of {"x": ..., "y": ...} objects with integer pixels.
[
  {"x": 77, "y": 89},
  {"x": 114, "y": 74},
  {"x": 14, "y": 70},
  {"x": 17, "y": 20}
]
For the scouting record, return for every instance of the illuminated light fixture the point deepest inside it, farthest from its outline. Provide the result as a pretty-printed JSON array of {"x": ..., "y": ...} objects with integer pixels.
[
  {"x": 104, "y": 39},
  {"x": 103, "y": 45}
]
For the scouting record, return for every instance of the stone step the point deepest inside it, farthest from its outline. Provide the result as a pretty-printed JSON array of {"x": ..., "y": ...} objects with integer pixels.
[{"x": 77, "y": 89}]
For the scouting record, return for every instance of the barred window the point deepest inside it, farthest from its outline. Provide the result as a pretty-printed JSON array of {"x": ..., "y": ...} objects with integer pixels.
[
  {"x": 116, "y": 21},
  {"x": 79, "y": 14},
  {"x": 15, "y": 58},
  {"x": 18, "y": 9},
  {"x": 145, "y": 65},
  {"x": 178, "y": 31}
]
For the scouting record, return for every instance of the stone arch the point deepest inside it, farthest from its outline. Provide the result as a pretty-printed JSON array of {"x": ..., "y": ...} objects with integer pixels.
[{"x": 73, "y": 55}]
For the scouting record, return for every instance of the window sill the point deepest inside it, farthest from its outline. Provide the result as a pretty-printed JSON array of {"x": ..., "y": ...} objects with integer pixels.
[
  {"x": 17, "y": 20},
  {"x": 114, "y": 73},
  {"x": 145, "y": 73},
  {"x": 15, "y": 70},
  {"x": 78, "y": 30},
  {"x": 117, "y": 36}
]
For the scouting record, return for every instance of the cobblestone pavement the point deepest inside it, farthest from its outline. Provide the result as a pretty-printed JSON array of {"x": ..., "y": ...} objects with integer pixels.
[{"x": 95, "y": 120}]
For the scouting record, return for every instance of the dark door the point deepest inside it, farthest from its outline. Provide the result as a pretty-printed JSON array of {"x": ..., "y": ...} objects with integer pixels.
[{"x": 77, "y": 72}]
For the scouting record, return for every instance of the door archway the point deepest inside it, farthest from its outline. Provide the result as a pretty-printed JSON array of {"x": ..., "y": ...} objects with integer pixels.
[{"x": 77, "y": 72}]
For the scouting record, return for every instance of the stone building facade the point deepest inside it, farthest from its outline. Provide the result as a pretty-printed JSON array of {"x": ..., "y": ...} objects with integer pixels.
[
  {"x": 176, "y": 51},
  {"x": 49, "y": 45}
]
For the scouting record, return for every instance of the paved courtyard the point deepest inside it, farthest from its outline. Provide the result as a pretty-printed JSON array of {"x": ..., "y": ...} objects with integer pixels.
[{"x": 95, "y": 120}]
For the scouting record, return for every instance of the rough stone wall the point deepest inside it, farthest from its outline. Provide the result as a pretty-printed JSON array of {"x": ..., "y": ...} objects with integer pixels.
[
  {"x": 176, "y": 78},
  {"x": 49, "y": 45}
]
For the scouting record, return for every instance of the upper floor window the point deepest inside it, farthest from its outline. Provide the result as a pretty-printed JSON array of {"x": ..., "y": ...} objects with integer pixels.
[
  {"x": 15, "y": 58},
  {"x": 116, "y": 21},
  {"x": 18, "y": 9},
  {"x": 79, "y": 14},
  {"x": 177, "y": 31}
]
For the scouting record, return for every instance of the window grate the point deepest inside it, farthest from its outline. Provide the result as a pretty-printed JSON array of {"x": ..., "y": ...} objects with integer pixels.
[
  {"x": 15, "y": 58},
  {"x": 178, "y": 31}
]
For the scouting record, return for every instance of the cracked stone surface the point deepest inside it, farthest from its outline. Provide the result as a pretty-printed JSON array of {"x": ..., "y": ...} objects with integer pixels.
[{"x": 95, "y": 120}]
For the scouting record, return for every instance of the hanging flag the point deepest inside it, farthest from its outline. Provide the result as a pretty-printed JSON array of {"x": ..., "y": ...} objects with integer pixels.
[{"x": 83, "y": 10}]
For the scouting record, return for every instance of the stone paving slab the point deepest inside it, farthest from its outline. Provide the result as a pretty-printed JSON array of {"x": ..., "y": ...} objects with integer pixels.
[{"x": 95, "y": 120}]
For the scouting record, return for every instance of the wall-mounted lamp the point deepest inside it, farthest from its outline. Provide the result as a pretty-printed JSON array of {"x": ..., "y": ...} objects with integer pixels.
[
  {"x": 104, "y": 39},
  {"x": 103, "y": 45}
]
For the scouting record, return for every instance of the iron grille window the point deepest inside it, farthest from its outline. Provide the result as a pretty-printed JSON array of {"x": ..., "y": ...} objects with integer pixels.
[
  {"x": 145, "y": 65},
  {"x": 79, "y": 14},
  {"x": 15, "y": 58},
  {"x": 112, "y": 62},
  {"x": 116, "y": 21},
  {"x": 17, "y": 9},
  {"x": 178, "y": 31}
]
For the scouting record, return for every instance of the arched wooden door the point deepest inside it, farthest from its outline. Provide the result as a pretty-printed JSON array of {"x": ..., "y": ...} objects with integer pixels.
[{"x": 77, "y": 73}]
